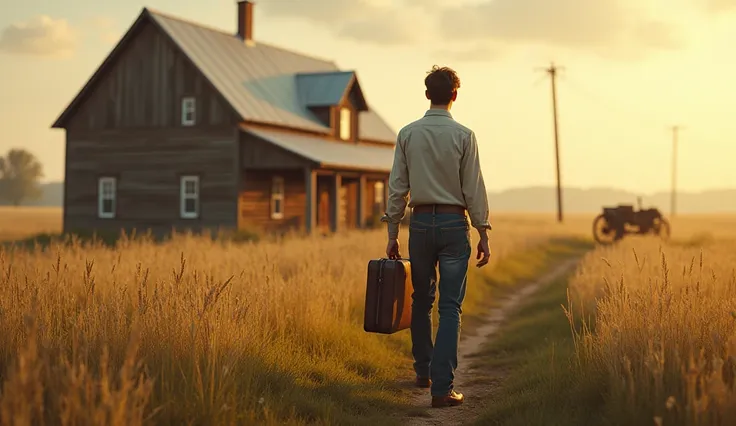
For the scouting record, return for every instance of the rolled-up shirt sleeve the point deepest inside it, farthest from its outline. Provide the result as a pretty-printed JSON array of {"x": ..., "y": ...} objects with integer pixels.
[
  {"x": 473, "y": 185},
  {"x": 398, "y": 191}
]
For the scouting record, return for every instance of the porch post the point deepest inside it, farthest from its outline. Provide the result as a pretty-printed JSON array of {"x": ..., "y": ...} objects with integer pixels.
[
  {"x": 361, "y": 201},
  {"x": 335, "y": 203},
  {"x": 310, "y": 180}
]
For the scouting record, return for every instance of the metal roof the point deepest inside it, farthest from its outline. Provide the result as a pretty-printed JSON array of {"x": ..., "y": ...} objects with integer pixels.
[
  {"x": 259, "y": 80},
  {"x": 323, "y": 89},
  {"x": 329, "y": 153}
]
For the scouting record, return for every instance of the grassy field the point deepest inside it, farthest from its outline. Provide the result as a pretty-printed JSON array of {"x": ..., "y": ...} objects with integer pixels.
[
  {"x": 664, "y": 334},
  {"x": 199, "y": 331},
  {"x": 643, "y": 333},
  {"x": 21, "y": 222}
]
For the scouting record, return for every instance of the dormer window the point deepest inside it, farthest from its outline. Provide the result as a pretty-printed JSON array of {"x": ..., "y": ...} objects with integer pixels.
[
  {"x": 188, "y": 111},
  {"x": 346, "y": 125},
  {"x": 338, "y": 108}
]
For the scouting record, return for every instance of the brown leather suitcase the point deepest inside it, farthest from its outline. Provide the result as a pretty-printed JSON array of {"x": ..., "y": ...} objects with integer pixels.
[{"x": 388, "y": 296}]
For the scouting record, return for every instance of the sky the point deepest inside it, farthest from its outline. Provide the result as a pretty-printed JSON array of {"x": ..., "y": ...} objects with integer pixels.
[{"x": 629, "y": 70}]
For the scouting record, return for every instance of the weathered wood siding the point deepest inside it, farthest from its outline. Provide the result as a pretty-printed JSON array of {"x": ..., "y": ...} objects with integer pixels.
[
  {"x": 144, "y": 87},
  {"x": 129, "y": 126},
  {"x": 148, "y": 164},
  {"x": 259, "y": 154},
  {"x": 255, "y": 200}
]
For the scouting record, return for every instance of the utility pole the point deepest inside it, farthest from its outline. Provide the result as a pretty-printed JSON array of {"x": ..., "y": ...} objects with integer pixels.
[
  {"x": 673, "y": 195},
  {"x": 552, "y": 71}
]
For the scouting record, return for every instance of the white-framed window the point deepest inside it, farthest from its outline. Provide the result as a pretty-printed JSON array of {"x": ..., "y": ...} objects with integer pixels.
[
  {"x": 277, "y": 198},
  {"x": 345, "y": 123},
  {"x": 106, "y": 196},
  {"x": 189, "y": 206},
  {"x": 188, "y": 111}
]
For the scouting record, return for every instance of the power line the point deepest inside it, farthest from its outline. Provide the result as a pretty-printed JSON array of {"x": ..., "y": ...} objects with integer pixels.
[{"x": 577, "y": 88}]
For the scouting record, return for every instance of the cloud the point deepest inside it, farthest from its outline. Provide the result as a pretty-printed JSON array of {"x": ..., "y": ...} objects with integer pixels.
[
  {"x": 608, "y": 28},
  {"x": 376, "y": 21},
  {"x": 39, "y": 36}
]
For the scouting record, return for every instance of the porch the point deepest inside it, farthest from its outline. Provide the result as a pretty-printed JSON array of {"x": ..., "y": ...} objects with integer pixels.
[
  {"x": 313, "y": 200},
  {"x": 292, "y": 180},
  {"x": 342, "y": 200}
]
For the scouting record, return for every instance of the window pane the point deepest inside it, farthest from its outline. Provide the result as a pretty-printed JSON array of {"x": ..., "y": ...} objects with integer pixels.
[
  {"x": 277, "y": 206},
  {"x": 190, "y": 205},
  {"x": 188, "y": 108},
  {"x": 108, "y": 206},
  {"x": 345, "y": 124},
  {"x": 107, "y": 189},
  {"x": 190, "y": 186}
]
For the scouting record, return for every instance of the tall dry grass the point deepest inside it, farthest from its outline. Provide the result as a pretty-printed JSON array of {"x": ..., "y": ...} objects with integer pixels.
[
  {"x": 199, "y": 331},
  {"x": 661, "y": 330}
]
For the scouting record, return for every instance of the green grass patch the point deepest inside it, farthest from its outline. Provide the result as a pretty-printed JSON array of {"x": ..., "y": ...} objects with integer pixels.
[
  {"x": 486, "y": 288},
  {"x": 541, "y": 384}
]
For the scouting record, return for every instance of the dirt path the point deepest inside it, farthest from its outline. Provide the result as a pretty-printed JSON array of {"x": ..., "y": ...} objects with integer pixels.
[{"x": 476, "y": 384}]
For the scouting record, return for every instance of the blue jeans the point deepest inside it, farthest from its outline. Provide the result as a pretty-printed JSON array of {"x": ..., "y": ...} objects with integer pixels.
[{"x": 433, "y": 239}]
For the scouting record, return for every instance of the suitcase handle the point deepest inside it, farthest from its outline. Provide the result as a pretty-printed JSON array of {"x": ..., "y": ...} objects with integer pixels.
[{"x": 394, "y": 258}]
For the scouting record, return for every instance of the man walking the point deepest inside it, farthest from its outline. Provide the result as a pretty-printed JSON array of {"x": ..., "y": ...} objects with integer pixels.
[{"x": 436, "y": 158}]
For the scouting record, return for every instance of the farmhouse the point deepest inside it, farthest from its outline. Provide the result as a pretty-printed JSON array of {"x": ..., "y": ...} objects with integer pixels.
[{"x": 188, "y": 127}]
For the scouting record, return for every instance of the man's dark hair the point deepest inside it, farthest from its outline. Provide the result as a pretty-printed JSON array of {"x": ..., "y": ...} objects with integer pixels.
[{"x": 441, "y": 83}]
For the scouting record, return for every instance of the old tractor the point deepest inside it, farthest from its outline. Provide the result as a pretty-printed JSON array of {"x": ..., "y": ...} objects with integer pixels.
[{"x": 615, "y": 222}]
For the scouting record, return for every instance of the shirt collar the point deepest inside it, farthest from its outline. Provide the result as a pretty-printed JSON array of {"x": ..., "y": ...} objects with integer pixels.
[{"x": 440, "y": 112}]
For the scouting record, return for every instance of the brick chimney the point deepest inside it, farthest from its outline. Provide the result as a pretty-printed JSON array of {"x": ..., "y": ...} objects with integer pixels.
[{"x": 245, "y": 20}]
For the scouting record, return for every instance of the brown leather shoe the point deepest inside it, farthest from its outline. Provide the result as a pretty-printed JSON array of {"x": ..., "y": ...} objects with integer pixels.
[
  {"x": 452, "y": 400},
  {"x": 423, "y": 382}
]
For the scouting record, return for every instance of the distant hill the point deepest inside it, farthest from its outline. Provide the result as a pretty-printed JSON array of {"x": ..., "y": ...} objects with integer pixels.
[
  {"x": 542, "y": 199},
  {"x": 577, "y": 200}
]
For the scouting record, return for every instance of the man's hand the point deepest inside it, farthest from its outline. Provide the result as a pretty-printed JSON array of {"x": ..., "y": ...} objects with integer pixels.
[
  {"x": 483, "y": 250},
  {"x": 392, "y": 249}
]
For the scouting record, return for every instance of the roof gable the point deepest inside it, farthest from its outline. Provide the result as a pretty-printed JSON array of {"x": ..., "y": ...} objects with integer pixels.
[
  {"x": 119, "y": 47},
  {"x": 329, "y": 88},
  {"x": 258, "y": 80}
]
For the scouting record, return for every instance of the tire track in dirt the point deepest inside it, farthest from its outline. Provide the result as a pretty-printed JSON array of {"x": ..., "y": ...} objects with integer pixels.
[{"x": 477, "y": 384}]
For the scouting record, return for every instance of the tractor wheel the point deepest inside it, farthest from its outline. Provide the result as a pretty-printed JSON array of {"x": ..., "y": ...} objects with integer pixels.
[
  {"x": 604, "y": 233},
  {"x": 661, "y": 228}
]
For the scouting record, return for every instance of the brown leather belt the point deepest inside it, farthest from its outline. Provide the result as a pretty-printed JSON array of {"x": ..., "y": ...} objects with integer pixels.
[{"x": 439, "y": 208}]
